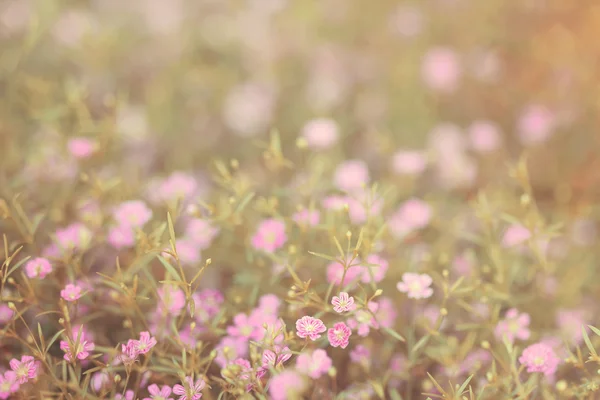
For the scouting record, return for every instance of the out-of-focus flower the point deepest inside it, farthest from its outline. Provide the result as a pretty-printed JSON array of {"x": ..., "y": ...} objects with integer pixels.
[
  {"x": 540, "y": 357},
  {"x": 409, "y": 162},
  {"x": 315, "y": 364},
  {"x": 484, "y": 136},
  {"x": 513, "y": 326},
  {"x": 71, "y": 292},
  {"x": 441, "y": 69},
  {"x": 286, "y": 385},
  {"x": 351, "y": 175},
  {"x": 270, "y": 236},
  {"x": 535, "y": 125},
  {"x": 134, "y": 214},
  {"x": 515, "y": 235},
  {"x": 38, "y": 268},
  {"x": 320, "y": 134},
  {"x": 417, "y": 286}
]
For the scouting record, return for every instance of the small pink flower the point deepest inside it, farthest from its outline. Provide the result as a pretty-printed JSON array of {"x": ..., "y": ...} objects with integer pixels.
[
  {"x": 535, "y": 125},
  {"x": 540, "y": 357},
  {"x": 269, "y": 236},
  {"x": 145, "y": 343},
  {"x": 25, "y": 369},
  {"x": 129, "y": 353},
  {"x": 441, "y": 69},
  {"x": 172, "y": 299},
  {"x": 335, "y": 203},
  {"x": 335, "y": 272},
  {"x": 513, "y": 326},
  {"x": 320, "y": 134},
  {"x": 407, "y": 21},
  {"x": 6, "y": 314},
  {"x": 310, "y": 327},
  {"x": 99, "y": 380},
  {"x": 121, "y": 236},
  {"x": 73, "y": 237},
  {"x": 339, "y": 335},
  {"x": 243, "y": 327},
  {"x": 8, "y": 384},
  {"x": 159, "y": 393},
  {"x": 570, "y": 322},
  {"x": 230, "y": 348},
  {"x": 351, "y": 175},
  {"x": 38, "y": 268},
  {"x": 188, "y": 251},
  {"x": 275, "y": 357},
  {"x": 269, "y": 304},
  {"x": 201, "y": 232},
  {"x": 413, "y": 215},
  {"x": 315, "y": 364},
  {"x": 189, "y": 390},
  {"x": 485, "y": 136},
  {"x": 71, "y": 292},
  {"x": 417, "y": 286},
  {"x": 409, "y": 162},
  {"x": 83, "y": 348},
  {"x": 376, "y": 272},
  {"x": 82, "y": 147},
  {"x": 515, "y": 235},
  {"x": 286, "y": 385},
  {"x": 307, "y": 217},
  {"x": 343, "y": 303},
  {"x": 178, "y": 186},
  {"x": 129, "y": 395},
  {"x": 134, "y": 213},
  {"x": 208, "y": 304},
  {"x": 361, "y": 355}
]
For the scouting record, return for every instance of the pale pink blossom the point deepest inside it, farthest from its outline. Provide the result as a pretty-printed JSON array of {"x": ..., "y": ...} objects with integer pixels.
[
  {"x": 343, "y": 303},
  {"x": 309, "y": 327},
  {"x": 162, "y": 393},
  {"x": 190, "y": 390},
  {"x": 339, "y": 335},
  {"x": 306, "y": 217},
  {"x": 145, "y": 343},
  {"x": 515, "y": 235},
  {"x": 6, "y": 314},
  {"x": 269, "y": 304},
  {"x": 513, "y": 326},
  {"x": 535, "y": 125},
  {"x": 351, "y": 175},
  {"x": 441, "y": 69},
  {"x": 414, "y": 214},
  {"x": 71, "y": 292},
  {"x": 172, "y": 299},
  {"x": 409, "y": 162},
  {"x": 129, "y": 353},
  {"x": 8, "y": 384},
  {"x": 288, "y": 384},
  {"x": 244, "y": 327},
  {"x": 361, "y": 355},
  {"x": 201, "y": 232},
  {"x": 321, "y": 133},
  {"x": 485, "y": 136},
  {"x": 82, "y": 147},
  {"x": 188, "y": 251},
  {"x": 315, "y": 364},
  {"x": 134, "y": 213},
  {"x": 129, "y": 395},
  {"x": 249, "y": 108},
  {"x": 335, "y": 272},
  {"x": 570, "y": 323},
  {"x": 361, "y": 205},
  {"x": 270, "y": 236},
  {"x": 540, "y": 357},
  {"x": 38, "y": 268},
  {"x": 275, "y": 357},
  {"x": 81, "y": 352},
  {"x": 73, "y": 237},
  {"x": 179, "y": 186},
  {"x": 417, "y": 286},
  {"x": 230, "y": 348},
  {"x": 121, "y": 236},
  {"x": 407, "y": 21},
  {"x": 25, "y": 370},
  {"x": 377, "y": 271},
  {"x": 335, "y": 203}
]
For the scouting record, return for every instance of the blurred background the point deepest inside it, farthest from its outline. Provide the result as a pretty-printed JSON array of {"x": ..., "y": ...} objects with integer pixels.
[{"x": 166, "y": 84}]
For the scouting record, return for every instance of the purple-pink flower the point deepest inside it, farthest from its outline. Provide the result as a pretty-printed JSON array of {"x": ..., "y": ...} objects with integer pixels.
[
  {"x": 343, "y": 303},
  {"x": 38, "y": 268},
  {"x": 270, "y": 236},
  {"x": 417, "y": 286},
  {"x": 339, "y": 335},
  {"x": 25, "y": 369},
  {"x": 540, "y": 357},
  {"x": 513, "y": 326},
  {"x": 190, "y": 390},
  {"x": 81, "y": 352},
  {"x": 71, "y": 292},
  {"x": 309, "y": 327},
  {"x": 145, "y": 343},
  {"x": 314, "y": 364}
]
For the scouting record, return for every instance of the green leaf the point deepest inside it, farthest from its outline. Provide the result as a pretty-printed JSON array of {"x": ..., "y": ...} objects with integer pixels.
[
  {"x": 462, "y": 387},
  {"x": 394, "y": 395},
  {"x": 321, "y": 255},
  {"x": 588, "y": 343},
  {"x": 394, "y": 334},
  {"x": 170, "y": 269},
  {"x": 51, "y": 342},
  {"x": 245, "y": 201},
  {"x": 594, "y": 329}
]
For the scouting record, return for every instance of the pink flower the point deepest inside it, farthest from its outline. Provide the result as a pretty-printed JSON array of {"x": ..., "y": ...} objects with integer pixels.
[
  {"x": 188, "y": 251},
  {"x": 362, "y": 205},
  {"x": 248, "y": 108},
  {"x": 570, "y": 322},
  {"x": 134, "y": 213},
  {"x": 38, "y": 268},
  {"x": 320, "y": 134},
  {"x": 515, "y": 235},
  {"x": 343, "y": 303},
  {"x": 82, "y": 147},
  {"x": 8, "y": 384},
  {"x": 540, "y": 357},
  {"x": 535, "y": 125},
  {"x": 81, "y": 352},
  {"x": 172, "y": 299},
  {"x": 121, "y": 236},
  {"x": 71, "y": 292},
  {"x": 269, "y": 236},
  {"x": 73, "y": 237},
  {"x": 6, "y": 314},
  {"x": 315, "y": 364},
  {"x": 441, "y": 69},
  {"x": 485, "y": 136},
  {"x": 201, "y": 232},
  {"x": 361, "y": 355},
  {"x": 409, "y": 162},
  {"x": 407, "y": 21},
  {"x": 417, "y": 286},
  {"x": 208, "y": 304},
  {"x": 339, "y": 335},
  {"x": 244, "y": 327},
  {"x": 307, "y": 217},
  {"x": 336, "y": 203},
  {"x": 178, "y": 186},
  {"x": 351, "y": 175},
  {"x": 145, "y": 343},
  {"x": 230, "y": 348},
  {"x": 99, "y": 380},
  {"x": 335, "y": 271},
  {"x": 375, "y": 273},
  {"x": 286, "y": 385},
  {"x": 363, "y": 320},
  {"x": 159, "y": 393},
  {"x": 129, "y": 353},
  {"x": 386, "y": 312},
  {"x": 513, "y": 326},
  {"x": 129, "y": 395},
  {"x": 25, "y": 369},
  {"x": 269, "y": 304},
  {"x": 309, "y": 327},
  {"x": 413, "y": 215},
  {"x": 189, "y": 390},
  {"x": 275, "y": 357}
]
